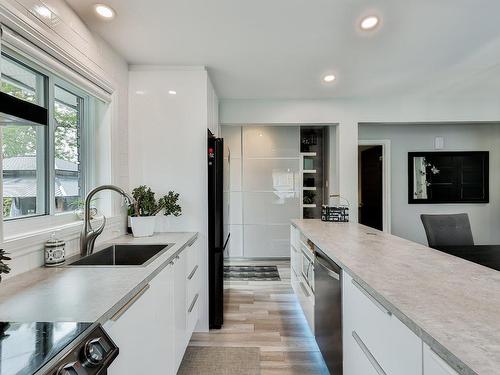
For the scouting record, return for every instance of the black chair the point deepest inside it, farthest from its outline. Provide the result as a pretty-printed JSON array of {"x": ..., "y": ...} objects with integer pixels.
[{"x": 447, "y": 230}]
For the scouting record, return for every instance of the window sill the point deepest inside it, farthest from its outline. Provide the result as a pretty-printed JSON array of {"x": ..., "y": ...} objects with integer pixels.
[{"x": 23, "y": 243}]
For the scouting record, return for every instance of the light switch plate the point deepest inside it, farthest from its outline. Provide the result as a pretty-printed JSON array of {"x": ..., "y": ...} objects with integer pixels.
[{"x": 439, "y": 143}]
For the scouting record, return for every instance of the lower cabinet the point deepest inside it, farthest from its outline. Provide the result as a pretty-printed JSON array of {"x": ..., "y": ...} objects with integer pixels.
[
  {"x": 376, "y": 335},
  {"x": 153, "y": 329},
  {"x": 434, "y": 365}
]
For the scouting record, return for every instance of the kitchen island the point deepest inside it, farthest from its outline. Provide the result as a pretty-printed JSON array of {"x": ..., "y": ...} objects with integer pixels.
[{"x": 450, "y": 305}]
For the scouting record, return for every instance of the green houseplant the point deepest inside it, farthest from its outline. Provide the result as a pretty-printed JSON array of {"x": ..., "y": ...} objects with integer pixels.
[
  {"x": 142, "y": 214},
  {"x": 4, "y": 268}
]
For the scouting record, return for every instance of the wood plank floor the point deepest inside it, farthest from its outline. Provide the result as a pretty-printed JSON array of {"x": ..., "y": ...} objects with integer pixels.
[{"x": 266, "y": 315}]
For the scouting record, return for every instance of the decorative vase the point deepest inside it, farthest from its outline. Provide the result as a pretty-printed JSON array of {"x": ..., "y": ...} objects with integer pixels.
[{"x": 142, "y": 226}]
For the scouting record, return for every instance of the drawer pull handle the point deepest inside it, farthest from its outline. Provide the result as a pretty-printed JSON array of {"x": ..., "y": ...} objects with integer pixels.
[
  {"x": 193, "y": 241},
  {"x": 370, "y": 297},
  {"x": 368, "y": 354},
  {"x": 304, "y": 290},
  {"x": 191, "y": 307},
  {"x": 127, "y": 306},
  {"x": 192, "y": 272}
]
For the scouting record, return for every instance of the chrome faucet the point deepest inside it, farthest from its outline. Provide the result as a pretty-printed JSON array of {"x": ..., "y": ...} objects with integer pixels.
[{"x": 89, "y": 234}]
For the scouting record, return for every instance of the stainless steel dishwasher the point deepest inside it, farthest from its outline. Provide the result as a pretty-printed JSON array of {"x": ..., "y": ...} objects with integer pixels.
[{"x": 328, "y": 311}]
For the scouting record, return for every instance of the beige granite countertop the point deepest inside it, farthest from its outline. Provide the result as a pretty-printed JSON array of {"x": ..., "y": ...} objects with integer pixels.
[
  {"x": 452, "y": 304},
  {"x": 83, "y": 294}
]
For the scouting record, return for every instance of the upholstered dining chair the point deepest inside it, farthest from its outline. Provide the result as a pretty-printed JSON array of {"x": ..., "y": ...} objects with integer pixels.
[{"x": 447, "y": 230}]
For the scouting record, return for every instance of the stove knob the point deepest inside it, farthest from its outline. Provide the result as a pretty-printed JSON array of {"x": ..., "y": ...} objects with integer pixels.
[
  {"x": 69, "y": 369},
  {"x": 94, "y": 352}
]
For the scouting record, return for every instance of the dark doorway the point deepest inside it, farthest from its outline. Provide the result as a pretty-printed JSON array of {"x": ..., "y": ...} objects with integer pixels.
[{"x": 371, "y": 186}]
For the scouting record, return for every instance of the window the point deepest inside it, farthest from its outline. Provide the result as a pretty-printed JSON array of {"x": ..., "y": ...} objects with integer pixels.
[
  {"x": 24, "y": 145},
  {"x": 68, "y": 117},
  {"x": 43, "y": 166}
]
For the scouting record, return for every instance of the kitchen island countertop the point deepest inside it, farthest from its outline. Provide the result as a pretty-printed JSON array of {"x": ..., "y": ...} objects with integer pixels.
[{"x": 451, "y": 303}]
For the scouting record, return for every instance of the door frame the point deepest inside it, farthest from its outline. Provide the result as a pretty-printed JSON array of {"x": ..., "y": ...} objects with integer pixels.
[{"x": 386, "y": 178}]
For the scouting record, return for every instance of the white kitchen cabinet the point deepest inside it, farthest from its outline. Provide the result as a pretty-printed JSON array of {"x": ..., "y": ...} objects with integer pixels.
[
  {"x": 143, "y": 329},
  {"x": 180, "y": 297},
  {"x": 434, "y": 365},
  {"x": 153, "y": 329},
  {"x": 357, "y": 359},
  {"x": 392, "y": 345}
]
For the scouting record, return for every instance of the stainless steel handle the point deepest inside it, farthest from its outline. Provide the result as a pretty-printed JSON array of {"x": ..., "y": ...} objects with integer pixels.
[
  {"x": 294, "y": 249},
  {"x": 368, "y": 354},
  {"x": 193, "y": 241},
  {"x": 195, "y": 299},
  {"x": 192, "y": 272},
  {"x": 329, "y": 271},
  {"x": 127, "y": 306},
  {"x": 304, "y": 289},
  {"x": 371, "y": 298}
]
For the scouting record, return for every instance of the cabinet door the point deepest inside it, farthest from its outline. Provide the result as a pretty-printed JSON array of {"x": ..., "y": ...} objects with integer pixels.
[
  {"x": 180, "y": 267},
  {"x": 141, "y": 330},
  {"x": 434, "y": 365}
]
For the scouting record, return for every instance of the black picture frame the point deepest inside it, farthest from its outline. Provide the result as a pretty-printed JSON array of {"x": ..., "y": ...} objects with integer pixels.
[{"x": 457, "y": 160}]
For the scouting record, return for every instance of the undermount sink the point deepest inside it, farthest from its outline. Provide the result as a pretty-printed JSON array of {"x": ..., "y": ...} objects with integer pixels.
[{"x": 123, "y": 255}]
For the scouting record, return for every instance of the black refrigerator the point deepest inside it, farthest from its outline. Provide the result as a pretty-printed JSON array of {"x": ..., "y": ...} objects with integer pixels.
[{"x": 215, "y": 231}]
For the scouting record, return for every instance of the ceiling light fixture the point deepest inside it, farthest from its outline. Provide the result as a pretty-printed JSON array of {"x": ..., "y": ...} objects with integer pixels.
[
  {"x": 329, "y": 78},
  {"x": 172, "y": 92},
  {"x": 369, "y": 22},
  {"x": 104, "y": 11}
]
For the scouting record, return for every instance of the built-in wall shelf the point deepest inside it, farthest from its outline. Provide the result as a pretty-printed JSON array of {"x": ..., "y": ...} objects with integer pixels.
[{"x": 313, "y": 170}]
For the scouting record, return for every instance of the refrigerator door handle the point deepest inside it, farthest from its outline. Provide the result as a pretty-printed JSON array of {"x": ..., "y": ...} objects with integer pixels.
[{"x": 225, "y": 243}]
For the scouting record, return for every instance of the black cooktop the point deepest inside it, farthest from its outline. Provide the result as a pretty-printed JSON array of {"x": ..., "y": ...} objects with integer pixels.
[{"x": 26, "y": 347}]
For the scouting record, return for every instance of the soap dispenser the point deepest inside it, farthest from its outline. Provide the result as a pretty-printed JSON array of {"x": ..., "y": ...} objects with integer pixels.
[{"x": 54, "y": 251}]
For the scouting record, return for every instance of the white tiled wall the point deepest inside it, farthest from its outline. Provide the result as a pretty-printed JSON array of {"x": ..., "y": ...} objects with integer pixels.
[
  {"x": 263, "y": 189},
  {"x": 66, "y": 32}
]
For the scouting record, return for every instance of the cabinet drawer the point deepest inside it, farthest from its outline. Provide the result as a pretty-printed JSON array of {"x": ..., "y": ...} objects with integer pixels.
[
  {"x": 434, "y": 365},
  {"x": 392, "y": 344},
  {"x": 193, "y": 253},
  {"x": 193, "y": 283},
  {"x": 295, "y": 259},
  {"x": 306, "y": 300},
  {"x": 192, "y": 314},
  {"x": 357, "y": 358}
]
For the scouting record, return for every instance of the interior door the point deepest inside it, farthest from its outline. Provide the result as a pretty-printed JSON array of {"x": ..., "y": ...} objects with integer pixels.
[{"x": 371, "y": 197}]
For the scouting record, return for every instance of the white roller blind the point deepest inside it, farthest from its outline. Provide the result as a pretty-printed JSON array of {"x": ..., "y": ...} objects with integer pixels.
[{"x": 19, "y": 44}]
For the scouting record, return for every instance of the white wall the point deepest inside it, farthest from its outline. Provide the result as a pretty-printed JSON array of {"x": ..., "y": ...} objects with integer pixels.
[
  {"x": 349, "y": 113},
  {"x": 65, "y": 33},
  {"x": 168, "y": 145},
  {"x": 485, "y": 218}
]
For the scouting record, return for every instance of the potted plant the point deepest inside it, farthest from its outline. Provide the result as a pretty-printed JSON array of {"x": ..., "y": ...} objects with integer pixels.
[
  {"x": 142, "y": 214},
  {"x": 4, "y": 268},
  {"x": 79, "y": 208}
]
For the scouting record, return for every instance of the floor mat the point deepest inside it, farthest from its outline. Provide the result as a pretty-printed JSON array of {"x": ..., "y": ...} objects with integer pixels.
[
  {"x": 211, "y": 360},
  {"x": 252, "y": 273}
]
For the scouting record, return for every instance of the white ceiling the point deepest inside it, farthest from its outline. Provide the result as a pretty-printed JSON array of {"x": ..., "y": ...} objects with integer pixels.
[{"x": 282, "y": 48}]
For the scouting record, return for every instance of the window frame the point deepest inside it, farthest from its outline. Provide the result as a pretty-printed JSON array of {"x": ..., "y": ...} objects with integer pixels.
[{"x": 51, "y": 218}]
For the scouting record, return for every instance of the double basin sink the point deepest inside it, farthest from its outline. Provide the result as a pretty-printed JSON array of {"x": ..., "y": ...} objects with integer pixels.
[{"x": 122, "y": 255}]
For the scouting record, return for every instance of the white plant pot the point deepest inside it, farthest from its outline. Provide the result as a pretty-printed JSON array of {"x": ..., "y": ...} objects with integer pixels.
[{"x": 143, "y": 226}]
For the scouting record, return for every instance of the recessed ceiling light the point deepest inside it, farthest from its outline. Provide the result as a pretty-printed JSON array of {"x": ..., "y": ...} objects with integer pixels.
[
  {"x": 43, "y": 11},
  {"x": 329, "y": 78},
  {"x": 369, "y": 23},
  {"x": 104, "y": 11},
  {"x": 172, "y": 92}
]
